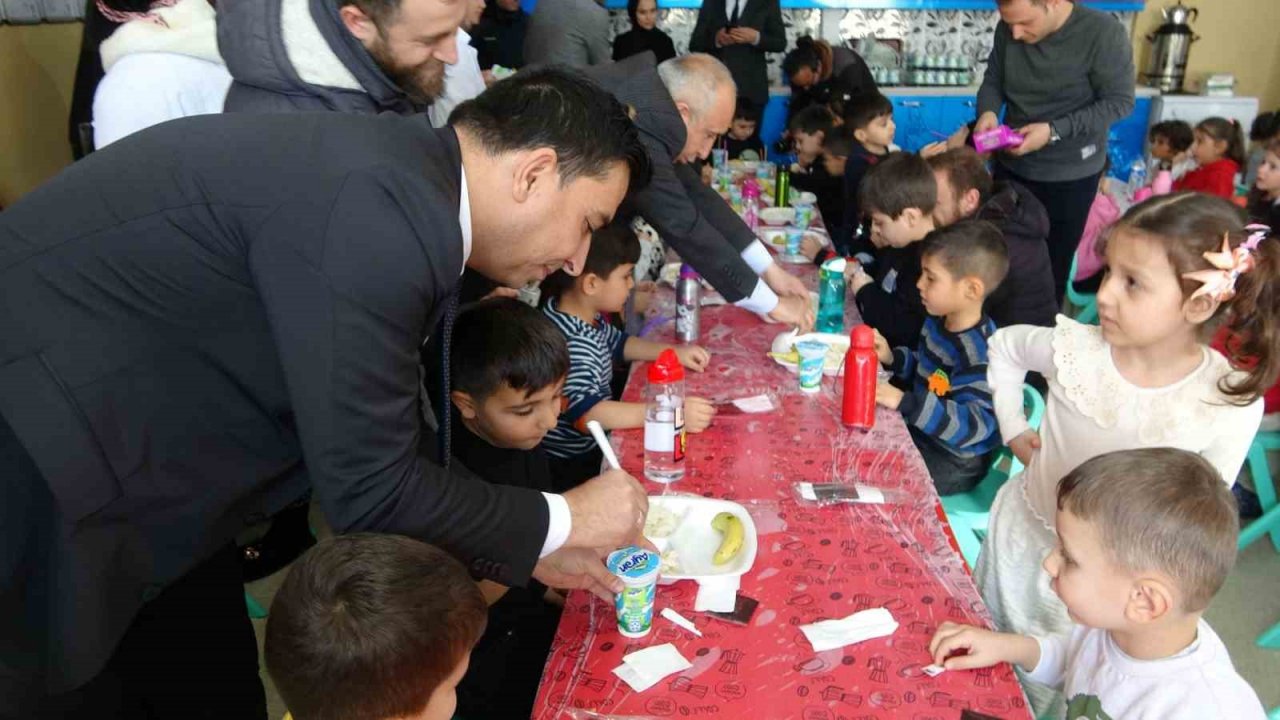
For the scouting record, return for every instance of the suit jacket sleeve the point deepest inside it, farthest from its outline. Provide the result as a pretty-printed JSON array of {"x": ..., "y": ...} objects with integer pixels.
[
  {"x": 773, "y": 36},
  {"x": 348, "y": 324},
  {"x": 703, "y": 38},
  {"x": 677, "y": 208},
  {"x": 598, "y": 47}
]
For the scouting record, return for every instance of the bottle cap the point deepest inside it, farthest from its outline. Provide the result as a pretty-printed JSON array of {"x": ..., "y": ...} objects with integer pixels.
[
  {"x": 666, "y": 368},
  {"x": 863, "y": 337},
  {"x": 687, "y": 271}
]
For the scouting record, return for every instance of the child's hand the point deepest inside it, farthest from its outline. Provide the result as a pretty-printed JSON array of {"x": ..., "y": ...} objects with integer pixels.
[
  {"x": 888, "y": 395},
  {"x": 643, "y": 297},
  {"x": 708, "y": 174},
  {"x": 698, "y": 414},
  {"x": 554, "y": 597},
  {"x": 1025, "y": 446},
  {"x": 810, "y": 246},
  {"x": 694, "y": 357},
  {"x": 883, "y": 351},
  {"x": 857, "y": 278},
  {"x": 986, "y": 648}
]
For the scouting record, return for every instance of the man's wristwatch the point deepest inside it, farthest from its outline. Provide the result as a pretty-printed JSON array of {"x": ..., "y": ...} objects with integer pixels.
[{"x": 1054, "y": 137}]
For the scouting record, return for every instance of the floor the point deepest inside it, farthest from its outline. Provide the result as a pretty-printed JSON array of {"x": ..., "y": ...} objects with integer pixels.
[{"x": 1246, "y": 606}]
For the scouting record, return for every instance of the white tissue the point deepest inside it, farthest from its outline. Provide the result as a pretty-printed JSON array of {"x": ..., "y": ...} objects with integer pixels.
[
  {"x": 858, "y": 627},
  {"x": 717, "y": 594},
  {"x": 754, "y": 404},
  {"x": 933, "y": 670},
  {"x": 645, "y": 668}
]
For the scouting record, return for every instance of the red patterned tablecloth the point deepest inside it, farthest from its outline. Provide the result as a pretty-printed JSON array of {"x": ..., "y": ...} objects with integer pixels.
[{"x": 813, "y": 564}]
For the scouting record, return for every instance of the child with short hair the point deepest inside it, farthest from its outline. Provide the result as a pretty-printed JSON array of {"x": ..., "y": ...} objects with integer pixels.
[
  {"x": 826, "y": 177},
  {"x": 1170, "y": 142},
  {"x": 577, "y": 305},
  {"x": 1219, "y": 151},
  {"x": 376, "y": 626},
  {"x": 869, "y": 118},
  {"x": 808, "y": 129},
  {"x": 1143, "y": 377},
  {"x": 1146, "y": 538},
  {"x": 899, "y": 194},
  {"x": 742, "y": 142},
  {"x": 947, "y": 406},
  {"x": 1264, "y": 198}
]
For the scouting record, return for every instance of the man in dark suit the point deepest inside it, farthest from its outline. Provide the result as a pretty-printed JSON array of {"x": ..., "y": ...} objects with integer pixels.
[
  {"x": 211, "y": 317},
  {"x": 740, "y": 32}
]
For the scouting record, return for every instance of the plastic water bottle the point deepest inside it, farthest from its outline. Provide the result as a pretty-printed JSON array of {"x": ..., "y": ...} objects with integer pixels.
[
  {"x": 1137, "y": 177},
  {"x": 858, "y": 406},
  {"x": 664, "y": 438},
  {"x": 782, "y": 187},
  {"x": 751, "y": 204},
  {"x": 688, "y": 305},
  {"x": 831, "y": 296}
]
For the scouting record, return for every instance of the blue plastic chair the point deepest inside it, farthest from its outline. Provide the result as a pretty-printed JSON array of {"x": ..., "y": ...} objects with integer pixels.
[
  {"x": 968, "y": 513},
  {"x": 1086, "y": 304},
  {"x": 1260, "y": 469},
  {"x": 256, "y": 611}
]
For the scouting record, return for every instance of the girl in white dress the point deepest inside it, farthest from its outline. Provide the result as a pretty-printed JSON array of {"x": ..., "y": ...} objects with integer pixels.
[{"x": 1178, "y": 265}]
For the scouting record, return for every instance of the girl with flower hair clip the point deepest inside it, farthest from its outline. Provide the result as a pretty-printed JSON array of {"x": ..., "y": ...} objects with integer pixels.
[{"x": 1178, "y": 266}]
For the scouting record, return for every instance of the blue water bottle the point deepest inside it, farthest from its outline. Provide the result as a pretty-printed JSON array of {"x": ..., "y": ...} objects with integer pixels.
[{"x": 831, "y": 296}]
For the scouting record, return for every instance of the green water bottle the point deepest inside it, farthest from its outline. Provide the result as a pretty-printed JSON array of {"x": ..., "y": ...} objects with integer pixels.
[
  {"x": 831, "y": 296},
  {"x": 782, "y": 187}
]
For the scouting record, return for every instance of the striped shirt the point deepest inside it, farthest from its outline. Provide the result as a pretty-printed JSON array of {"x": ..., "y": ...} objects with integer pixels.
[
  {"x": 593, "y": 348},
  {"x": 949, "y": 398}
]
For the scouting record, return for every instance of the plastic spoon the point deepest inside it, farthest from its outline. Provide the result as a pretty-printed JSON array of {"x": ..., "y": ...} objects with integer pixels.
[{"x": 606, "y": 447}]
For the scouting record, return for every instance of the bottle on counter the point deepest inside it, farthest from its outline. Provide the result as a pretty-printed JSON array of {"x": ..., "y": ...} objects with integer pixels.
[
  {"x": 664, "y": 437},
  {"x": 751, "y": 203},
  {"x": 861, "y": 367},
  {"x": 688, "y": 305},
  {"x": 831, "y": 296}
]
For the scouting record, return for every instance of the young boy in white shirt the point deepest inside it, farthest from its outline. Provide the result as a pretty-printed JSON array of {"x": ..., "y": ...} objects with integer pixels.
[{"x": 1145, "y": 540}]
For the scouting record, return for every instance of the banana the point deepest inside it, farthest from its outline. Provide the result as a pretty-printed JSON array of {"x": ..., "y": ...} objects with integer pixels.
[{"x": 731, "y": 527}]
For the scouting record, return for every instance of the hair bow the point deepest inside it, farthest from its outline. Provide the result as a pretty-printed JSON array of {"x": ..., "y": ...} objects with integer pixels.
[{"x": 1219, "y": 283}]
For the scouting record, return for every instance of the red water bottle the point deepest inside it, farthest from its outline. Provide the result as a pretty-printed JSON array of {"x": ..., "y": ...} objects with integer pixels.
[{"x": 860, "y": 368}]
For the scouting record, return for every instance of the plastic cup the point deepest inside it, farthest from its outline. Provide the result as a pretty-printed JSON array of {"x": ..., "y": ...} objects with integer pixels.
[
  {"x": 637, "y": 568},
  {"x": 804, "y": 215},
  {"x": 719, "y": 157},
  {"x": 812, "y": 356},
  {"x": 795, "y": 236}
]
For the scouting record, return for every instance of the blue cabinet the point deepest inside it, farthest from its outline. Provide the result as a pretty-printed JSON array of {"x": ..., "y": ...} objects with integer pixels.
[{"x": 1128, "y": 139}]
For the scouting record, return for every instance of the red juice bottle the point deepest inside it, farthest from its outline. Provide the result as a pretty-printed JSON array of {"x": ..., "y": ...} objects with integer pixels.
[{"x": 860, "y": 376}]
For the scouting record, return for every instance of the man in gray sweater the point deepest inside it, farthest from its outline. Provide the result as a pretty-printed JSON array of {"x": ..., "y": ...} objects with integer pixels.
[
  {"x": 1064, "y": 74},
  {"x": 568, "y": 32}
]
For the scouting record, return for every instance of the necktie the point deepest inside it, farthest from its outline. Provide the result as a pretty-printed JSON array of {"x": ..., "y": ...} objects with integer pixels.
[
  {"x": 733, "y": 17},
  {"x": 445, "y": 414}
]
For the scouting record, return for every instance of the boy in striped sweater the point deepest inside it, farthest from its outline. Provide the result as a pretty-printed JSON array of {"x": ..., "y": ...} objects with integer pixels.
[
  {"x": 576, "y": 305},
  {"x": 947, "y": 404}
]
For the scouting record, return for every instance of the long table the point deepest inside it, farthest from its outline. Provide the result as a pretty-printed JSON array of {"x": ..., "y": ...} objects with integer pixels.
[{"x": 814, "y": 563}]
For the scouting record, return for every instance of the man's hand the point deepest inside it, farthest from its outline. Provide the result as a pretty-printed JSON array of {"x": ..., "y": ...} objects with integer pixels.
[
  {"x": 578, "y": 568},
  {"x": 883, "y": 351},
  {"x": 1035, "y": 136},
  {"x": 784, "y": 283},
  {"x": 724, "y": 38},
  {"x": 1024, "y": 446},
  {"x": 987, "y": 121},
  {"x": 502, "y": 292},
  {"x": 694, "y": 357},
  {"x": 888, "y": 395},
  {"x": 985, "y": 648},
  {"x": 795, "y": 311},
  {"x": 698, "y": 414},
  {"x": 608, "y": 511},
  {"x": 934, "y": 148},
  {"x": 745, "y": 35}
]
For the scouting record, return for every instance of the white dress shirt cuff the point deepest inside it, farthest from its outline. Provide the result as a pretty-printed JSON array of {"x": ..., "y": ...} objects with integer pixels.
[
  {"x": 761, "y": 301},
  {"x": 757, "y": 256},
  {"x": 560, "y": 523}
]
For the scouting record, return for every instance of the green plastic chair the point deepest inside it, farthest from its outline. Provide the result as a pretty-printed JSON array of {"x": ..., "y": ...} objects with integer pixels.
[
  {"x": 256, "y": 611},
  {"x": 1086, "y": 304},
  {"x": 1260, "y": 469},
  {"x": 968, "y": 513}
]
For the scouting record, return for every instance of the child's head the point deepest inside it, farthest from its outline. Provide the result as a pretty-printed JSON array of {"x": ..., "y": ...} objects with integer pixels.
[
  {"x": 1143, "y": 536},
  {"x": 963, "y": 183},
  {"x": 1268, "y": 181},
  {"x": 508, "y": 364},
  {"x": 961, "y": 265},
  {"x": 606, "y": 280},
  {"x": 1217, "y": 138},
  {"x": 836, "y": 147},
  {"x": 373, "y": 626},
  {"x": 1265, "y": 127},
  {"x": 1152, "y": 296},
  {"x": 899, "y": 194},
  {"x": 1169, "y": 138},
  {"x": 745, "y": 117},
  {"x": 808, "y": 129},
  {"x": 869, "y": 116}
]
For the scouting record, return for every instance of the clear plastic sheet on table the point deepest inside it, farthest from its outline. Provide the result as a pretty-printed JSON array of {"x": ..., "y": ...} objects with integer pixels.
[{"x": 814, "y": 563}]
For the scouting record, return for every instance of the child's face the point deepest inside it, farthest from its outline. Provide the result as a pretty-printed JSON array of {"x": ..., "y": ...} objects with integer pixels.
[
  {"x": 898, "y": 233},
  {"x": 1206, "y": 150},
  {"x": 444, "y": 701},
  {"x": 1094, "y": 590},
  {"x": 609, "y": 295},
  {"x": 742, "y": 129},
  {"x": 834, "y": 164},
  {"x": 1269, "y": 175},
  {"x": 878, "y": 134},
  {"x": 942, "y": 292},
  {"x": 513, "y": 419},
  {"x": 1160, "y": 148},
  {"x": 1140, "y": 302},
  {"x": 808, "y": 145}
]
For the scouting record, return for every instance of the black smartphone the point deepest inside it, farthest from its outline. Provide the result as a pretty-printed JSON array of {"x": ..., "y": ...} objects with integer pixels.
[{"x": 743, "y": 609}]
